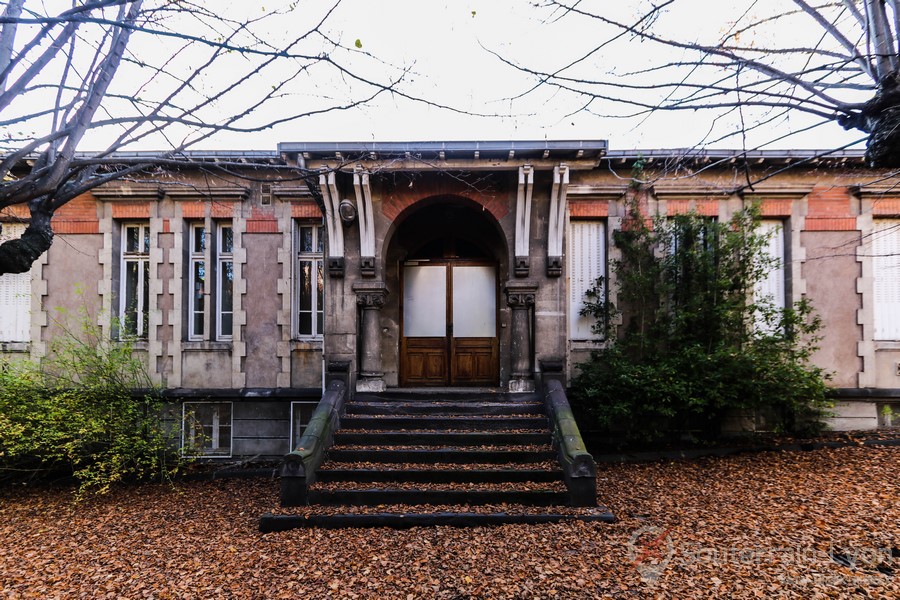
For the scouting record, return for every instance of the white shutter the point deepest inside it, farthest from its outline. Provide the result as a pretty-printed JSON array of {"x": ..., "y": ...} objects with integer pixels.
[
  {"x": 772, "y": 286},
  {"x": 15, "y": 296},
  {"x": 586, "y": 262},
  {"x": 886, "y": 272}
]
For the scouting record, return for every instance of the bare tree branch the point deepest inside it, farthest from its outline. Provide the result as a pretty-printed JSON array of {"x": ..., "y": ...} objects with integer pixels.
[
  {"x": 837, "y": 61},
  {"x": 192, "y": 72}
]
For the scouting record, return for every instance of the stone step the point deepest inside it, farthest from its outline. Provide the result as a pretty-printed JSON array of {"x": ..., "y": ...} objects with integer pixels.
[
  {"x": 403, "y": 520},
  {"x": 448, "y": 455},
  {"x": 445, "y": 408},
  {"x": 440, "y": 438},
  {"x": 445, "y": 395},
  {"x": 469, "y": 423},
  {"x": 508, "y": 475},
  {"x": 373, "y": 497}
]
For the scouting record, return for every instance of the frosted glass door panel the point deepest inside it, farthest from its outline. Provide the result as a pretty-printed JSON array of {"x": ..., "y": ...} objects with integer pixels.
[
  {"x": 425, "y": 301},
  {"x": 474, "y": 302}
]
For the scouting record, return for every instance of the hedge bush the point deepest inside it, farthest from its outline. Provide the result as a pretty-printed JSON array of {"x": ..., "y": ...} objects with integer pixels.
[
  {"x": 696, "y": 343},
  {"x": 76, "y": 414}
]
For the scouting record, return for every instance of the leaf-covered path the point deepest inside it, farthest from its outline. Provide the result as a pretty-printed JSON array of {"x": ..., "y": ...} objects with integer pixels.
[{"x": 793, "y": 524}]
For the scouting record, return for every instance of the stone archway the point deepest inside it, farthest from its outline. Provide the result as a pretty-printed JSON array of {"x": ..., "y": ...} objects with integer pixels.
[{"x": 446, "y": 257}]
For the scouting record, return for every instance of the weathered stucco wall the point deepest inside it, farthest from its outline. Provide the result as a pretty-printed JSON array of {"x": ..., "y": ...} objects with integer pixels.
[
  {"x": 830, "y": 275},
  {"x": 72, "y": 273},
  {"x": 262, "y": 333}
]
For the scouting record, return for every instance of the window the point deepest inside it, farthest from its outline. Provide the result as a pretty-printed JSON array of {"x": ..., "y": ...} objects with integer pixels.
[
  {"x": 197, "y": 283},
  {"x": 886, "y": 275},
  {"x": 206, "y": 429},
  {"x": 225, "y": 264},
  {"x": 135, "y": 280},
  {"x": 210, "y": 282},
  {"x": 691, "y": 234},
  {"x": 301, "y": 413},
  {"x": 15, "y": 295},
  {"x": 586, "y": 262},
  {"x": 310, "y": 280},
  {"x": 772, "y": 288}
]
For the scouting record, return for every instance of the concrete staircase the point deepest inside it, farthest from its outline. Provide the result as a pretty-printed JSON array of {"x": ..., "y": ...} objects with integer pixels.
[{"x": 432, "y": 455}]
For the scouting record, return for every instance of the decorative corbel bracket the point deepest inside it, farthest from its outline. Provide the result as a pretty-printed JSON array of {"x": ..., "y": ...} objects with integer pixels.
[
  {"x": 335, "y": 244},
  {"x": 366, "y": 223},
  {"x": 523, "y": 220},
  {"x": 557, "y": 220}
]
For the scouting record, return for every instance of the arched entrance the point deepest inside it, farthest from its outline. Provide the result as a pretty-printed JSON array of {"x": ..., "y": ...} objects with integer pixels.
[{"x": 448, "y": 257}]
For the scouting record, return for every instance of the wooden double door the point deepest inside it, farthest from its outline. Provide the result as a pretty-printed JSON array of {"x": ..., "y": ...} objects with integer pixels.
[{"x": 449, "y": 324}]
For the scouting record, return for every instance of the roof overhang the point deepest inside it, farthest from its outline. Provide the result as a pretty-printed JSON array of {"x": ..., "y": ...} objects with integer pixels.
[
  {"x": 726, "y": 157},
  {"x": 436, "y": 156}
]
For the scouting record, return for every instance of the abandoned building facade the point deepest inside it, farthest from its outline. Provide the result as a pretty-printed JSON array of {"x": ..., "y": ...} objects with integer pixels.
[{"x": 406, "y": 265}]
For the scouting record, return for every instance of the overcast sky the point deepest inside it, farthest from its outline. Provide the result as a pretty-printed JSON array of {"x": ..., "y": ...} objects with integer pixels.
[
  {"x": 446, "y": 48},
  {"x": 447, "y": 43}
]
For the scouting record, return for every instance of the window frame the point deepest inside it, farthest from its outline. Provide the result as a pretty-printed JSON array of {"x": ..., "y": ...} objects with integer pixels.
[
  {"x": 775, "y": 230},
  {"x": 884, "y": 244},
  {"x": 317, "y": 299},
  {"x": 576, "y": 335},
  {"x": 298, "y": 427},
  {"x": 142, "y": 259},
  {"x": 186, "y": 428},
  {"x": 195, "y": 257},
  {"x": 20, "y": 330},
  {"x": 223, "y": 258}
]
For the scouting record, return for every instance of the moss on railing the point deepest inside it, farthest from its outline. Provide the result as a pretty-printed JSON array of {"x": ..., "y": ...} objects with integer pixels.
[
  {"x": 298, "y": 469},
  {"x": 579, "y": 469}
]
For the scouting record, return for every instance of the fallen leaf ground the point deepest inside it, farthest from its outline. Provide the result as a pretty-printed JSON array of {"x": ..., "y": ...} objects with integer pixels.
[{"x": 751, "y": 526}]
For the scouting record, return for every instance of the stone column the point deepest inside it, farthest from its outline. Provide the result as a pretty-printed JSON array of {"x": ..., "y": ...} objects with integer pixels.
[
  {"x": 520, "y": 298},
  {"x": 370, "y": 298}
]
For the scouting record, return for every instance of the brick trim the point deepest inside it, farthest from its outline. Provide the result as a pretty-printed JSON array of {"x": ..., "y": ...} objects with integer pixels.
[
  {"x": 16, "y": 212},
  {"x": 681, "y": 206},
  {"x": 775, "y": 208},
  {"x": 581, "y": 209},
  {"x": 830, "y": 224},
  {"x": 76, "y": 227},
  {"x": 305, "y": 210},
  {"x": 397, "y": 201},
  {"x": 217, "y": 209},
  {"x": 262, "y": 226},
  {"x": 829, "y": 202},
  {"x": 130, "y": 210},
  {"x": 886, "y": 207}
]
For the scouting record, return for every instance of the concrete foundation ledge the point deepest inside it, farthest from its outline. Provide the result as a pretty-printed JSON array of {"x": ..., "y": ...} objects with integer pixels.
[{"x": 853, "y": 415}]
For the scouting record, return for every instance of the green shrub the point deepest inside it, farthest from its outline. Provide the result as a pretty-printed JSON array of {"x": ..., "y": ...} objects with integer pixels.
[
  {"x": 695, "y": 344},
  {"x": 76, "y": 414}
]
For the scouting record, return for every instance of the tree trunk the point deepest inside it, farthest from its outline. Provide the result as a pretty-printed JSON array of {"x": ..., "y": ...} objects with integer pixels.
[
  {"x": 16, "y": 256},
  {"x": 882, "y": 116}
]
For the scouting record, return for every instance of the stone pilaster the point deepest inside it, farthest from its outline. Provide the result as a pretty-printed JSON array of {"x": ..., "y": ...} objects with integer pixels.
[
  {"x": 520, "y": 298},
  {"x": 370, "y": 298}
]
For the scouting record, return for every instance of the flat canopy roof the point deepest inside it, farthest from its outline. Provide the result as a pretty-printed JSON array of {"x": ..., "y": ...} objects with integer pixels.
[{"x": 466, "y": 149}]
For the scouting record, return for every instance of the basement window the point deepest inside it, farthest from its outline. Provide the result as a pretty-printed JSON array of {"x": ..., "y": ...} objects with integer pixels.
[
  {"x": 301, "y": 413},
  {"x": 207, "y": 429}
]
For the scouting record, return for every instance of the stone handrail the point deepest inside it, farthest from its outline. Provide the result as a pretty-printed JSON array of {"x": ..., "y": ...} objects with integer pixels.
[
  {"x": 579, "y": 469},
  {"x": 298, "y": 469}
]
